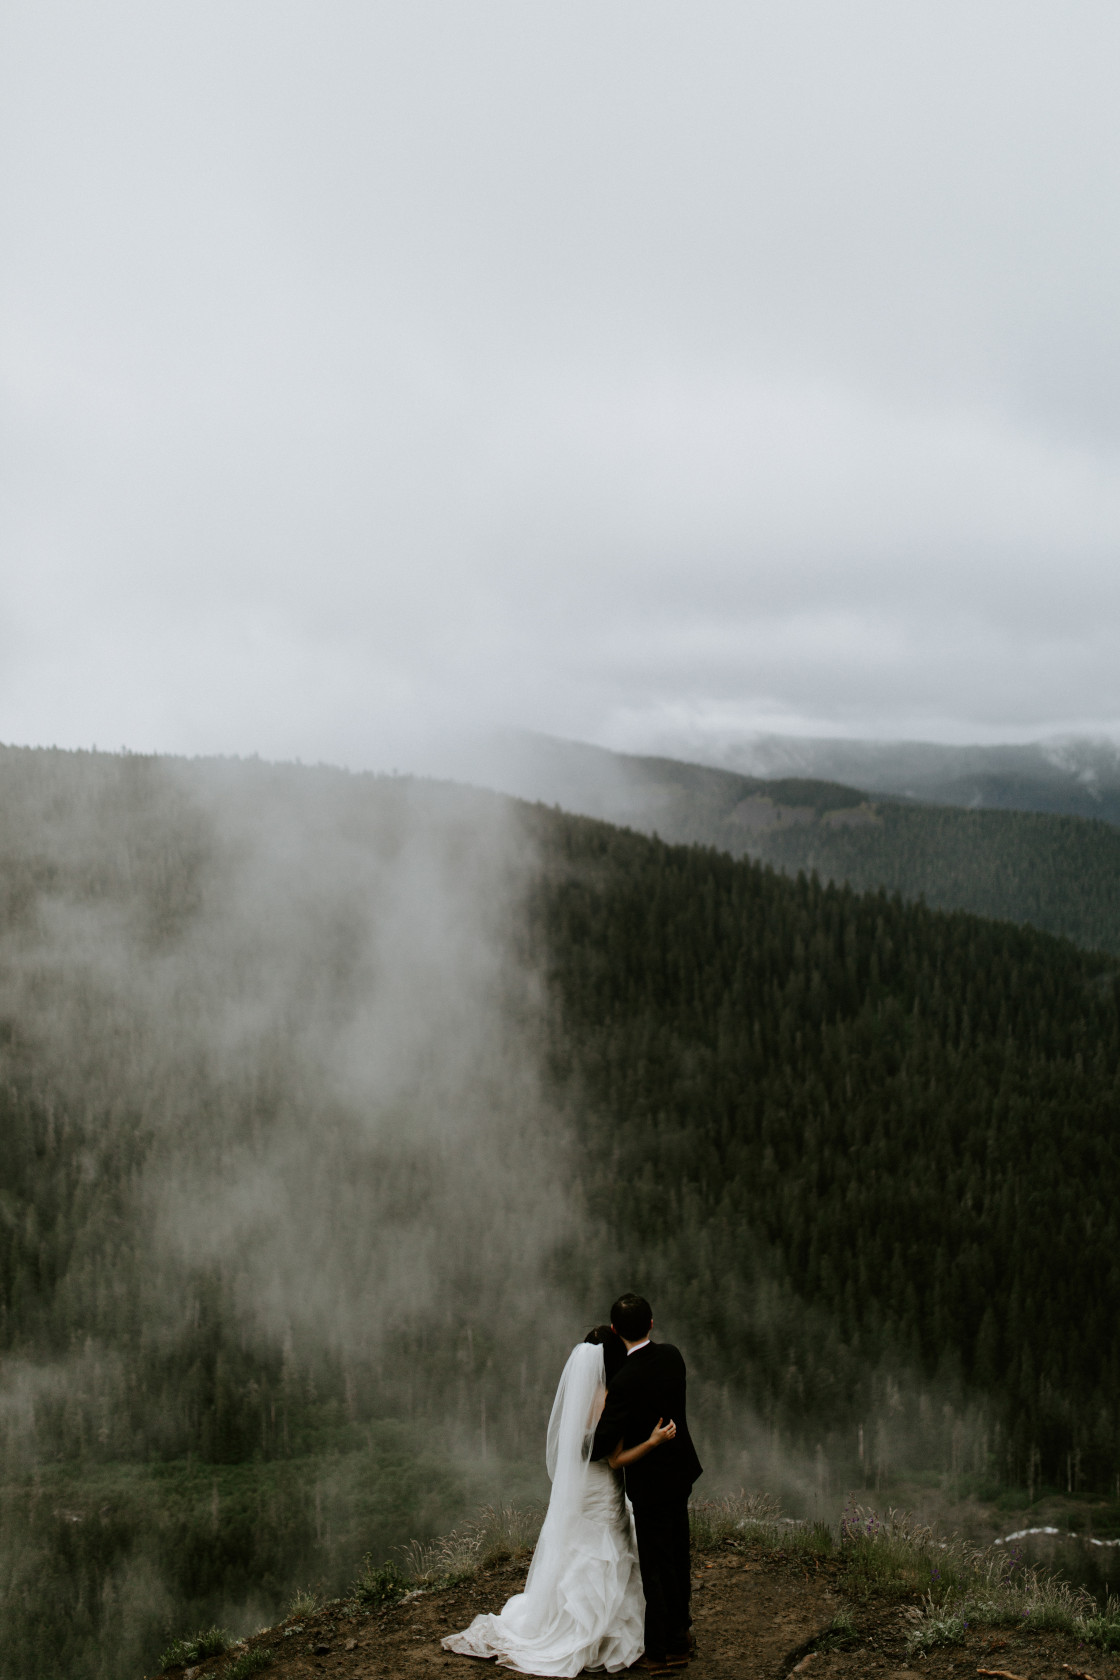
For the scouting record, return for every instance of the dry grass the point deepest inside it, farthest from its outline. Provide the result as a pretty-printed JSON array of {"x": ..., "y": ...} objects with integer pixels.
[
  {"x": 882, "y": 1555},
  {"x": 742, "y": 1516},
  {"x": 963, "y": 1585},
  {"x": 498, "y": 1533}
]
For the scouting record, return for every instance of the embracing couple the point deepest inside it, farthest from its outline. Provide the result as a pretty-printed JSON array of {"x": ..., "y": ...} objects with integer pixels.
[{"x": 609, "y": 1585}]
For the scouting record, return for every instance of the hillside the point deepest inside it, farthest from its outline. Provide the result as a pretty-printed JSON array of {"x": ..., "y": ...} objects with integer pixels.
[
  {"x": 1060, "y": 874},
  {"x": 855, "y": 1145},
  {"x": 1057, "y": 872},
  {"x": 335, "y": 1107}
]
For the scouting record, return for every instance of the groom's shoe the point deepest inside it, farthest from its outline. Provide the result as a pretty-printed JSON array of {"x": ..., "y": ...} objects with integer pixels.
[
  {"x": 650, "y": 1665},
  {"x": 681, "y": 1659}
]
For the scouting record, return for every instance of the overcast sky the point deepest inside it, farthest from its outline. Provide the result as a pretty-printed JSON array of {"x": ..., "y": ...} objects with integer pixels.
[{"x": 608, "y": 367}]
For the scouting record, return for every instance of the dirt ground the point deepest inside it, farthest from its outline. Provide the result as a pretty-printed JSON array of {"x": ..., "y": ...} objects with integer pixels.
[{"x": 755, "y": 1618}]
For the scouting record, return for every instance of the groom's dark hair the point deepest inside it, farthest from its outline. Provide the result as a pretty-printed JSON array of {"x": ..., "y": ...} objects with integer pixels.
[{"x": 632, "y": 1316}]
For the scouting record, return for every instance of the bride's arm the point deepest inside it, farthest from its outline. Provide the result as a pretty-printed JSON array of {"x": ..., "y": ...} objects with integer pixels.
[{"x": 630, "y": 1455}]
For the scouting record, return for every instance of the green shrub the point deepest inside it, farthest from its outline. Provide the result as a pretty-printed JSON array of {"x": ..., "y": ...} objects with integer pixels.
[
  {"x": 1103, "y": 1629},
  {"x": 379, "y": 1585}
]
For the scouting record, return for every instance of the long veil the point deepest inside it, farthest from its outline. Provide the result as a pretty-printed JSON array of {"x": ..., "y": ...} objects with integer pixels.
[
  {"x": 571, "y": 1429},
  {"x": 575, "y": 1412}
]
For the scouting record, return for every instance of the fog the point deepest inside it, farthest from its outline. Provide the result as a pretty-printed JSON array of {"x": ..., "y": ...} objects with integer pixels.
[
  {"x": 277, "y": 1041},
  {"x": 284, "y": 1023},
  {"x": 287, "y": 1200},
  {"x": 613, "y": 372}
]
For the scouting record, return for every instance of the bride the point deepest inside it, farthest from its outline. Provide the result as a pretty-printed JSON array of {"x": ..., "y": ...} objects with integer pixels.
[{"x": 583, "y": 1605}]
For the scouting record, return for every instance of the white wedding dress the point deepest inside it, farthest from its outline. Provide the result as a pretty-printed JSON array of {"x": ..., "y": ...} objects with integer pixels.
[{"x": 583, "y": 1605}]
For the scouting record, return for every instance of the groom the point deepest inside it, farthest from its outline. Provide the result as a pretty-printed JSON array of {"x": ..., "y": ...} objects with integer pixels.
[{"x": 648, "y": 1389}]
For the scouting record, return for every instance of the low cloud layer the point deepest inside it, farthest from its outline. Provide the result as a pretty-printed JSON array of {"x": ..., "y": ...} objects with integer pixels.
[{"x": 622, "y": 373}]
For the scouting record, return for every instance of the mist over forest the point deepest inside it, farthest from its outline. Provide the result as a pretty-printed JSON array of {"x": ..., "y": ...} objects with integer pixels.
[
  {"x": 277, "y": 1166},
  {"x": 337, "y": 1107}
]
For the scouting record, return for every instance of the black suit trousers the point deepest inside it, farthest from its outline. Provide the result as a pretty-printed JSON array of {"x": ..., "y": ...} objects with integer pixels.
[{"x": 663, "y": 1556}]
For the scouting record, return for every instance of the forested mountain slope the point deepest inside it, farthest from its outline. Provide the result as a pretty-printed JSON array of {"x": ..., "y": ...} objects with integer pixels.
[
  {"x": 847, "y": 1138},
  {"x": 1057, "y": 872},
  {"x": 1060, "y": 874},
  {"x": 332, "y": 1108}
]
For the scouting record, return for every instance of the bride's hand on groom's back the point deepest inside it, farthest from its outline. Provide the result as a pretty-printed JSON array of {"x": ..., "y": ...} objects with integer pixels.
[{"x": 663, "y": 1432}]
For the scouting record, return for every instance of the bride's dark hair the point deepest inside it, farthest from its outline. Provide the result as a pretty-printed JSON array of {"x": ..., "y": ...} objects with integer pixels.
[{"x": 614, "y": 1348}]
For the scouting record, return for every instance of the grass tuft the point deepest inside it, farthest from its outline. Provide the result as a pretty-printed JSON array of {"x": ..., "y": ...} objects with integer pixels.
[
  {"x": 840, "y": 1632},
  {"x": 499, "y": 1533},
  {"x": 504, "y": 1532},
  {"x": 742, "y": 1516},
  {"x": 441, "y": 1563},
  {"x": 247, "y": 1663},
  {"x": 304, "y": 1602},
  {"x": 935, "y": 1630},
  {"x": 210, "y": 1643},
  {"x": 816, "y": 1539}
]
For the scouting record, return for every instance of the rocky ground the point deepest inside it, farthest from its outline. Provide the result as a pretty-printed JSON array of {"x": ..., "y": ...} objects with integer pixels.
[{"x": 758, "y": 1616}]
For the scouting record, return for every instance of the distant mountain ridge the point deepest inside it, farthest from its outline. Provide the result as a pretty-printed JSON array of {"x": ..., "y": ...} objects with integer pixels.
[
  {"x": 1077, "y": 776},
  {"x": 689, "y": 799},
  {"x": 1048, "y": 868}
]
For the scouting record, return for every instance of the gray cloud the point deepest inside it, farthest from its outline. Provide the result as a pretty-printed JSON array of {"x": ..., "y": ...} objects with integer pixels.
[{"x": 613, "y": 371}]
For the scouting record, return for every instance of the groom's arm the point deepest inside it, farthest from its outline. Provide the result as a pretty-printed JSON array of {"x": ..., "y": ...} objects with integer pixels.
[{"x": 612, "y": 1425}]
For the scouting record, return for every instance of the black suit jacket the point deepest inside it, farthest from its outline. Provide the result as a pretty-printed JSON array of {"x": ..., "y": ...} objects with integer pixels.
[{"x": 649, "y": 1386}]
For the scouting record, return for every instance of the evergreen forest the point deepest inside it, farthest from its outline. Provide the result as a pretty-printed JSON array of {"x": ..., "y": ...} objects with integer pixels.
[
  {"x": 334, "y": 1108},
  {"x": 1055, "y": 870},
  {"x": 1057, "y": 873}
]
